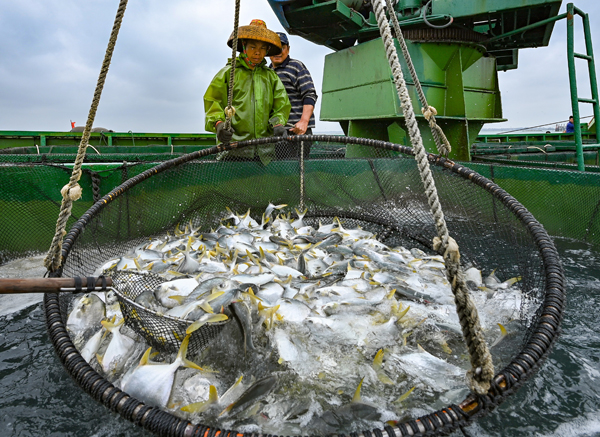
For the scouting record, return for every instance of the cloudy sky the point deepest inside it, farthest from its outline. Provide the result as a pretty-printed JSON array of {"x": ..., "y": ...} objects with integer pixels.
[{"x": 168, "y": 51}]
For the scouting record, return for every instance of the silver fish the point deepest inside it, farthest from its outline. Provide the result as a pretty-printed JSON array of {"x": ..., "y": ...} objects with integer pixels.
[
  {"x": 242, "y": 313},
  {"x": 87, "y": 314},
  {"x": 154, "y": 382},
  {"x": 258, "y": 391}
]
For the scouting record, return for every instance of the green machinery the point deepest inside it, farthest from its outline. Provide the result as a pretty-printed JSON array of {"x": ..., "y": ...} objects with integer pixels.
[{"x": 457, "y": 46}]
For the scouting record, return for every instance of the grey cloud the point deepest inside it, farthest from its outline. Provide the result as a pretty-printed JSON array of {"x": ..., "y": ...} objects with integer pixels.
[{"x": 167, "y": 53}]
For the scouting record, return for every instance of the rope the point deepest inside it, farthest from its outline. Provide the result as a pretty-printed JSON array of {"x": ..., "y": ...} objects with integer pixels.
[
  {"x": 429, "y": 112},
  {"x": 230, "y": 110},
  {"x": 72, "y": 191},
  {"x": 482, "y": 372}
]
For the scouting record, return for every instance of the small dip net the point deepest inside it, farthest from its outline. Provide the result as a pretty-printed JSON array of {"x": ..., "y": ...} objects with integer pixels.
[{"x": 378, "y": 191}]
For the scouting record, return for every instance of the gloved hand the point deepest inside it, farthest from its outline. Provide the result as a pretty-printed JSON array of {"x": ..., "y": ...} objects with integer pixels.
[
  {"x": 279, "y": 131},
  {"x": 224, "y": 135}
]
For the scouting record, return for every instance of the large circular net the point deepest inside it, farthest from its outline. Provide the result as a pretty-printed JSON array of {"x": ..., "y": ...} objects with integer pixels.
[{"x": 420, "y": 380}]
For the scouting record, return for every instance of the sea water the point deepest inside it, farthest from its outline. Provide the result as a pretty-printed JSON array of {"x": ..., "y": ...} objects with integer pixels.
[{"x": 38, "y": 398}]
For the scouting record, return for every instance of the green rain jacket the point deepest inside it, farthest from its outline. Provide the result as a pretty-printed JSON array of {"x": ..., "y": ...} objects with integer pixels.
[{"x": 260, "y": 101}]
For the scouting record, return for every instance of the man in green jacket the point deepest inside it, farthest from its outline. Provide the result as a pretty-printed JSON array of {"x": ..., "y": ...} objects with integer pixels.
[{"x": 260, "y": 100}]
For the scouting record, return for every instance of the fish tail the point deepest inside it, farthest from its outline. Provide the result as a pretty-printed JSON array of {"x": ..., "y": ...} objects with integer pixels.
[{"x": 356, "y": 397}]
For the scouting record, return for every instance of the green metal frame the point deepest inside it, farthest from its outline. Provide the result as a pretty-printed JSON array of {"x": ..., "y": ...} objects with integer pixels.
[
  {"x": 11, "y": 139},
  {"x": 589, "y": 57}
]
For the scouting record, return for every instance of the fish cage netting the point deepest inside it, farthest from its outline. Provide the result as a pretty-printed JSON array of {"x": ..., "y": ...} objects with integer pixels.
[{"x": 381, "y": 192}]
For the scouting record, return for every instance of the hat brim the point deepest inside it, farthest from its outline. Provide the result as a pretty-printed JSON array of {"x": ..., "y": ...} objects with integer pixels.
[{"x": 259, "y": 34}]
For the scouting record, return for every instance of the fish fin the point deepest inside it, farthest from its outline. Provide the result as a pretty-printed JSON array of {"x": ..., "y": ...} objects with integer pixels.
[
  {"x": 177, "y": 298},
  {"x": 503, "y": 333},
  {"x": 213, "y": 396},
  {"x": 403, "y": 313},
  {"x": 511, "y": 281},
  {"x": 108, "y": 325},
  {"x": 191, "y": 365},
  {"x": 208, "y": 318},
  {"x": 183, "y": 349},
  {"x": 356, "y": 398},
  {"x": 391, "y": 294},
  {"x": 196, "y": 407},
  {"x": 146, "y": 357},
  {"x": 213, "y": 295},
  {"x": 378, "y": 360},
  {"x": 445, "y": 347},
  {"x": 227, "y": 410},
  {"x": 502, "y": 329},
  {"x": 384, "y": 378},
  {"x": 206, "y": 307},
  {"x": 404, "y": 396}
]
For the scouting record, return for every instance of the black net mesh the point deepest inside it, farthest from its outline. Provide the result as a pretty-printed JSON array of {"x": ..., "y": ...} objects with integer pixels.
[
  {"x": 380, "y": 190},
  {"x": 163, "y": 332}
]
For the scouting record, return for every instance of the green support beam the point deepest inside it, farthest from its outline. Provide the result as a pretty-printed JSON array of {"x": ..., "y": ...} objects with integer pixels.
[{"x": 589, "y": 57}]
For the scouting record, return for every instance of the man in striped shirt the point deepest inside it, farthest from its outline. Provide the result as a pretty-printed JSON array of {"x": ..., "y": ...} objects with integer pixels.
[{"x": 302, "y": 94}]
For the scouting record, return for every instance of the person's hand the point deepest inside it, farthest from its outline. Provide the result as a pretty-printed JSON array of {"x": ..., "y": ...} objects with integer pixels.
[
  {"x": 224, "y": 135},
  {"x": 300, "y": 127},
  {"x": 279, "y": 131}
]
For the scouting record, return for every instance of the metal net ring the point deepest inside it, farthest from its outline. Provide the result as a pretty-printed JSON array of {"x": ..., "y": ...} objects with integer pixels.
[{"x": 544, "y": 331}]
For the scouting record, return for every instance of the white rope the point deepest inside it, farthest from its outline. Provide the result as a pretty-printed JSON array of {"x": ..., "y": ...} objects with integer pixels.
[
  {"x": 72, "y": 191},
  {"x": 482, "y": 372}
]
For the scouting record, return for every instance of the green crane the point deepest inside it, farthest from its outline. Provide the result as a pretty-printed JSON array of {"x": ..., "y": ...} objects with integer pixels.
[{"x": 457, "y": 46}]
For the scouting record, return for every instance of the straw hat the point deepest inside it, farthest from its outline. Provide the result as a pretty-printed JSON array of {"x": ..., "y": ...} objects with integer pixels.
[{"x": 257, "y": 30}]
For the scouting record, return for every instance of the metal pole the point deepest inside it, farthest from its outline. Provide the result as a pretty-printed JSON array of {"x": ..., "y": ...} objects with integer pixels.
[
  {"x": 592, "y": 67},
  {"x": 573, "y": 83}
]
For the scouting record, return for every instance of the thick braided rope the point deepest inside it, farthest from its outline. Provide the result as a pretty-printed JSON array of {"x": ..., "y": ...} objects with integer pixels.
[
  {"x": 72, "y": 191},
  {"x": 441, "y": 142},
  {"x": 230, "y": 110},
  {"x": 480, "y": 376}
]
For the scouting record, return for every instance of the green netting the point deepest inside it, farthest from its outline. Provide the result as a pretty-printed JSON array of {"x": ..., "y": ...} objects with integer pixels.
[{"x": 566, "y": 202}]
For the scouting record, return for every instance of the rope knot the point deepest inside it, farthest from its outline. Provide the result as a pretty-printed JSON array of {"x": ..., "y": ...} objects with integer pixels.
[
  {"x": 429, "y": 112},
  {"x": 450, "y": 250},
  {"x": 71, "y": 193},
  {"x": 476, "y": 382},
  {"x": 229, "y": 112}
]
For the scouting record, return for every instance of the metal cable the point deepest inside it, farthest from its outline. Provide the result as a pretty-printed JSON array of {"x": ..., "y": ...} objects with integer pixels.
[
  {"x": 230, "y": 110},
  {"x": 95, "y": 185},
  {"x": 482, "y": 372},
  {"x": 72, "y": 191},
  {"x": 441, "y": 142}
]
